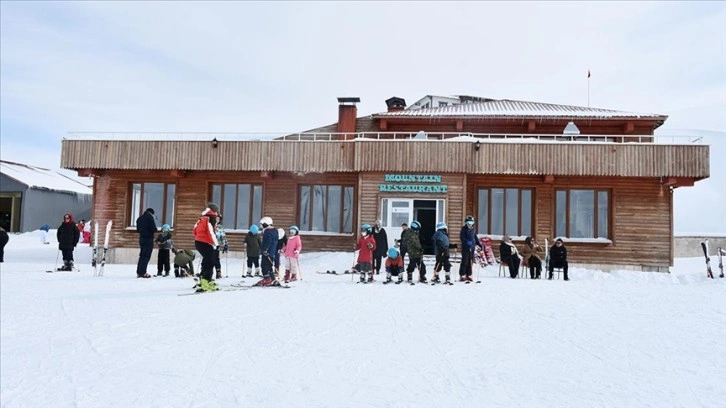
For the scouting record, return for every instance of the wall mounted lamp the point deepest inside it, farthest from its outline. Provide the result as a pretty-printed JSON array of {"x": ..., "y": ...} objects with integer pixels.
[
  {"x": 477, "y": 145},
  {"x": 215, "y": 143}
]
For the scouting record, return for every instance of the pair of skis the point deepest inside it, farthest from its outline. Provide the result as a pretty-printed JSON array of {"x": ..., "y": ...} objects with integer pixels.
[
  {"x": 721, "y": 253},
  {"x": 97, "y": 265}
]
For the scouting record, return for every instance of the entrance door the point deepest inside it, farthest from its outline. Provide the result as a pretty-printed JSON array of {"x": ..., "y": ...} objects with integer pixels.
[{"x": 396, "y": 211}]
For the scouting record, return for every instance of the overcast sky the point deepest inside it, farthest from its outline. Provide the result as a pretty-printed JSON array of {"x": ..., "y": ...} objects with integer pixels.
[{"x": 278, "y": 67}]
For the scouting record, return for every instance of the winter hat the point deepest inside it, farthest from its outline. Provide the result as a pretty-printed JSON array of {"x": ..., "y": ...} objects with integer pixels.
[
  {"x": 392, "y": 253},
  {"x": 558, "y": 240},
  {"x": 254, "y": 230},
  {"x": 150, "y": 210},
  {"x": 415, "y": 225},
  {"x": 214, "y": 207},
  {"x": 441, "y": 225},
  {"x": 165, "y": 227},
  {"x": 294, "y": 230}
]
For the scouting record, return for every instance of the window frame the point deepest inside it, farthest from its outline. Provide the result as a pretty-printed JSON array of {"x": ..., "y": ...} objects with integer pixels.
[
  {"x": 159, "y": 218},
  {"x": 595, "y": 212},
  {"x": 520, "y": 211},
  {"x": 325, "y": 215},
  {"x": 232, "y": 226}
]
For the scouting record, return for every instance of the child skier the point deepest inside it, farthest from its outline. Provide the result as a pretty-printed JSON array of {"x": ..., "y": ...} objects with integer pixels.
[
  {"x": 292, "y": 254},
  {"x": 394, "y": 266},
  {"x": 164, "y": 245},
  {"x": 366, "y": 246},
  {"x": 253, "y": 240},
  {"x": 223, "y": 246},
  {"x": 415, "y": 253},
  {"x": 183, "y": 263},
  {"x": 268, "y": 248},
  {"x": 441, "y": 250},
  {"x": 205, "y": 242}
]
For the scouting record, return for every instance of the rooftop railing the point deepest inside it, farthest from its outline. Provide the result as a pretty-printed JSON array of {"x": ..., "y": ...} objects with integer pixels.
[{"x": 385, "y": 136}]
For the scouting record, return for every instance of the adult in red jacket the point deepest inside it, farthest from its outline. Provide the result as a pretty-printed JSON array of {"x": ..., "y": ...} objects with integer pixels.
[
  {"x": 205, "y": 242},
  {"x": 67, "y": 236}
]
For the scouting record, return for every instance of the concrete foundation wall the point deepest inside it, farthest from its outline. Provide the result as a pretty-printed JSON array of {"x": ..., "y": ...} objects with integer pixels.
[{"x": 690, "y": 246}]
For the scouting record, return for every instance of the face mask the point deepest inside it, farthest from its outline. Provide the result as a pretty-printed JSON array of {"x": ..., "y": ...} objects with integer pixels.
[
  {"x": 470, "y": 223},
  {"x": 364, "y": 233}
]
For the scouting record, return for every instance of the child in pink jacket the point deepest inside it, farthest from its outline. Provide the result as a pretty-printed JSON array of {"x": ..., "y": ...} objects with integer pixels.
[{"x": 292, "y": 254}]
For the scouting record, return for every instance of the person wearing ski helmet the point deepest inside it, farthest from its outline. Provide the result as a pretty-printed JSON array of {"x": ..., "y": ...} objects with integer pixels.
[
  {"x": 366, "y": 246},
  {"x": 164, "y": 244},
  {"x": 292, "y": 254},
  {"x": 253, "y": 241},
  {"x": 379, "y": 234},
  {"x": 205, "y": 242},
  {"x": 268, "y": 252},
  {"x": 222, "y": 247},
  {"x": 415, "y": 254},
  {"x": 441, "y": 250},
  {"x": 468, "y": 246},
  {"x": 394, "y": 265}
]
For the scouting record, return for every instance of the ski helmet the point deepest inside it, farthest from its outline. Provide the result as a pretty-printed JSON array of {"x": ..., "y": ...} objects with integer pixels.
[
  {"x": 415, "y": 225},
  {"x": 265, "y": 221},
  {"x": 392, "y": 253},
  {"x": 365, "y": 228},
  {"x": 165, "y": 227},
  {"x": 441, "y": 225},
  {"x": 294, "y": 230},
  {"x": 254, "y": 230}
]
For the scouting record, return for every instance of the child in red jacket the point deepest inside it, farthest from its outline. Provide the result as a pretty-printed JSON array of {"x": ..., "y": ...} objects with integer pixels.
[{"x": 366, "y": 246}]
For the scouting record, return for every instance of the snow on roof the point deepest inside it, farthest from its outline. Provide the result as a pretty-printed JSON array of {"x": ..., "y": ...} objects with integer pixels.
[
  {"x": 37, "y": 177},
  {"x": 509, "y": 108}
]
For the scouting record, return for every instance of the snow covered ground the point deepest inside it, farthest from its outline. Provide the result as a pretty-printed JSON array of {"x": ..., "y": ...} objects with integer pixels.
[{"x": 621, "y": 339}]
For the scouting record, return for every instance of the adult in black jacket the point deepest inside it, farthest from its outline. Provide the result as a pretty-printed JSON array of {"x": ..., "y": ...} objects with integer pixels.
[
  {"x": 558, "y": 258},
  {"x": 3, "y": 241},
  {"x": 67, "y": 235},
  {"x": 146, "y": 227},
  {"x": 379, "y": 234}
]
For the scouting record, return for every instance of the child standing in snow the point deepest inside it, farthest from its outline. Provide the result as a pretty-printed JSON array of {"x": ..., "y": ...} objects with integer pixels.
[
  {"x": 164, "y": 245},
  {"x": 253, "y": 241},
  {"x": 44, "y": 234},
  {"x": 292, "y": 254},
  {"x": 366, "y": 246}
]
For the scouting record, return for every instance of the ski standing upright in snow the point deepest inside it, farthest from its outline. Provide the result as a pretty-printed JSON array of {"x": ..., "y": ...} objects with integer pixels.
[
  {"x": 704, "y": 246},
  {"x": 721, "y": 253},
  {"x": 105, "y": 248},
  {"x": 94, "y": 259}
]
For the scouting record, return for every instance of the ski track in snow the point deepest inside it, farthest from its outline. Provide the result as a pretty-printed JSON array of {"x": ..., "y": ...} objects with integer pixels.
[{"x": 622, "y": 339}]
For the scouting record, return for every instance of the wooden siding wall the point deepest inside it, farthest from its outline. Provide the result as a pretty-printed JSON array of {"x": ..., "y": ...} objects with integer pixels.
[
  {"x": 575, "y": 159},
  {"x": 111, "y": 202},
  {"x": 640, "y": 217},
  {"x": 370, "y": 198}
]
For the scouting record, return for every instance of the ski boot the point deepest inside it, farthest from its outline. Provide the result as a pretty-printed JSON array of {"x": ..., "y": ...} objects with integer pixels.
[
  {"x": 388, "y": 279},
  {"x": 266, "y": 281},
  {"x": 448, "y": 279},
  {"x": 362, "y": 277},
  {"x": 219, "y": 273},
  {"x": 435, "y": 279},
  {"x": 257, "y": 272},
  {"x": 293, "y": 277},
  {"x": 422, "y": 278},
  {"x": 287, "y": 276}
]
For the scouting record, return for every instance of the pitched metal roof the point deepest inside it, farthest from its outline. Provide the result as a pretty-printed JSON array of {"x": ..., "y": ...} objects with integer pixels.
[
  {"x": 40, "y": 178},
  {"x": 511, "y": 108}
]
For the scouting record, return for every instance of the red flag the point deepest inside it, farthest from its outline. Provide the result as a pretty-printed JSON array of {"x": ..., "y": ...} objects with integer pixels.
[{"x": 588, "y": 74}]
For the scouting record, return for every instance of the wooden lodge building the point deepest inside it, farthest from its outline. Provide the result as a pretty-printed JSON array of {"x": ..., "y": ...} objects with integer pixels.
[{"x": 595, "y": 177}]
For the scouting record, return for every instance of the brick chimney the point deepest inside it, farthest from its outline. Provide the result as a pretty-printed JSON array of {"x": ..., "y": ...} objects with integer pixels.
[
  {"x": 347, "y": 114},
  {"x": 395, "y": 104}
]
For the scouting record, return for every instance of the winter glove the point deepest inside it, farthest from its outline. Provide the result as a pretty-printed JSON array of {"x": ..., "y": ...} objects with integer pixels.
[
  {"x": 225, "y": 249},
  {"x": 296, "y": 252},
  {"x": 369, "y": 245},
  {"x": 469, "y": 244}
]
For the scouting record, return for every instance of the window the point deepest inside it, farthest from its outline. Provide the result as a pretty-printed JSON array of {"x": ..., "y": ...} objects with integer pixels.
[
  {"x": 326, "y": 208},
  {"x": 159, "y": 196},
  {"x": 505, "y": 211},
  {"x": 240, "y": 204},
  {"x": 443, "y": 103},
  {"x": 582, "y": 213}
]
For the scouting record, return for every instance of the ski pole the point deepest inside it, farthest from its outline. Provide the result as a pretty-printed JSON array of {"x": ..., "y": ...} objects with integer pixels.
[
  {"x": 299, "y": 270},
  {"x": 226, "y": 264},
  {"x": 244, "y": 263},
  {"x": 56, "y": 260}
]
